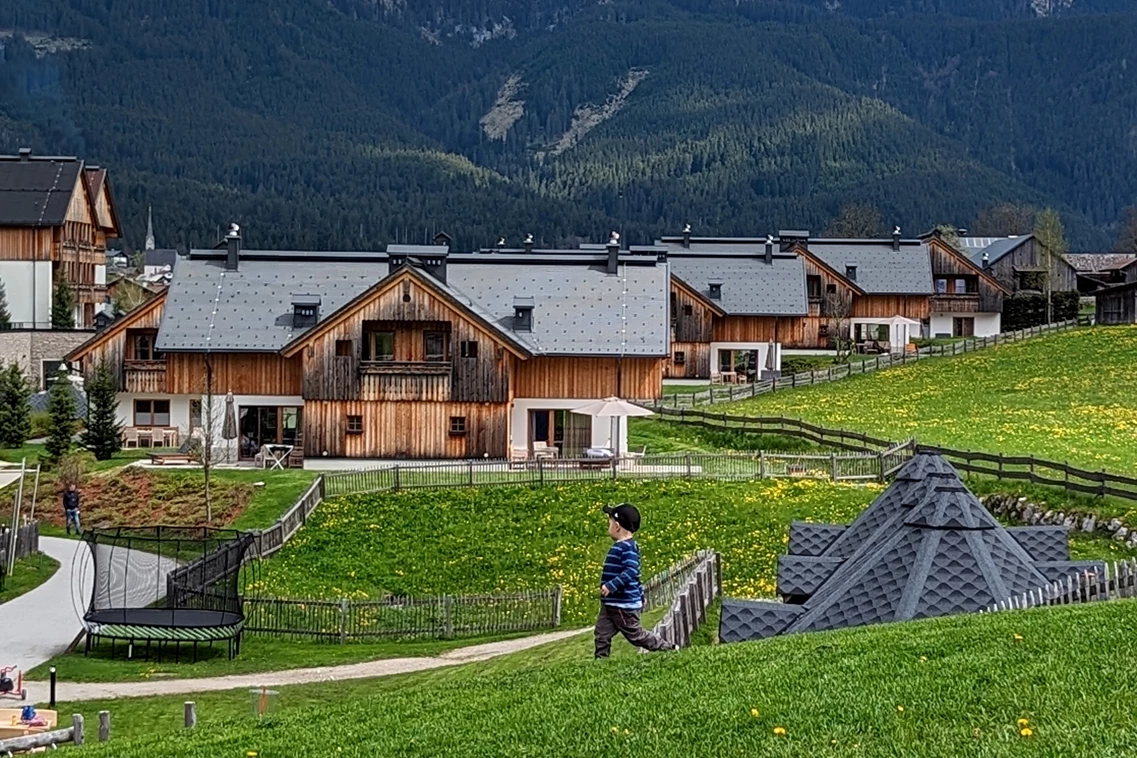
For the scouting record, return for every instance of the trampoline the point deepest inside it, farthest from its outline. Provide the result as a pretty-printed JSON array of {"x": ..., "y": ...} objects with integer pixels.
[{"x": 167, "y": 586}]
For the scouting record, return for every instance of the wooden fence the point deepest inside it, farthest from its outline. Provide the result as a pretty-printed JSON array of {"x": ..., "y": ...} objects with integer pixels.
[
  {"x": 701, "y": 584},
  {"x": 1087, "y": 587},
  {"x": 444, "y": 616},
  {"x": 27, "y": 543},
  {"x": 73, "y": 735},
  {"x": 842, "y": 439},
  {"x": 272, "y": 539},
  {"x": 728, "y": 393}
]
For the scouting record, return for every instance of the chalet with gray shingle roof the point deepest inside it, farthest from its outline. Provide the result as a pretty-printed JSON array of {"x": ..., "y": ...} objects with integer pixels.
[
  {"x": 412, "y": 352},
  {"x": 1020, "y": 263}
]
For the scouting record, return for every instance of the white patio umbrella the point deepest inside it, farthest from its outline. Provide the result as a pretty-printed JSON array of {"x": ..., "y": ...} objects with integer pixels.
[
  {"x": 900, "y": 331},
  {"x": 613, "y": 407}
]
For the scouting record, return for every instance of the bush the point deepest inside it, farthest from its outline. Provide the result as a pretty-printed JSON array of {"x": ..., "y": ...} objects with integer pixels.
[
  {"x": 1024, "y": 311},
  {"x": 41, "y": 425}
]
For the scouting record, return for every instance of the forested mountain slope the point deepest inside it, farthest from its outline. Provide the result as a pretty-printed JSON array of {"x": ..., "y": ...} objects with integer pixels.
[{"x": 352, "y": 123}]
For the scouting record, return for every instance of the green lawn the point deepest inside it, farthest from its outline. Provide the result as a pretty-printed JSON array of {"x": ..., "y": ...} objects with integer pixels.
[
  {"x": 475, "y": 540},
  {"x": 661, "y": 438},
  {"x": 1065, "y": 397},
  {"x": 943, "y": 687},
  {"x": 28, "y": 574}
]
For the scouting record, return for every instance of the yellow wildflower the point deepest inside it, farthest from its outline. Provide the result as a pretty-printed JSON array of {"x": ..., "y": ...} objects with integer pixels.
[
  {"x": 1025, "y": 731},
  {"x": 1017, "y": 637},
  {"x": 1022, "y": 722},
  {"x": 754, "y": 712},
  {"x": 900, "y": 709},
  {"x": 780, "y": 731}
]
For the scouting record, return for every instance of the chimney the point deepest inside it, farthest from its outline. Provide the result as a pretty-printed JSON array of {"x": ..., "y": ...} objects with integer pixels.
[
  {"x": 528, "y": 243},
  {"x": 789, "y": 237},
  {"x": 233, "y": 247},
  {"x": 25, "y": 154},
  {"x": 769, "y": 249},
  {"x": 500, "y": 243},
  {"x": 687, "y": 235},
  {"x": 896, "y": 238},
  {"x": 986, "y": 259},
  {"x": 435, "y": 265},
  {"x": 613, "y": 253}
]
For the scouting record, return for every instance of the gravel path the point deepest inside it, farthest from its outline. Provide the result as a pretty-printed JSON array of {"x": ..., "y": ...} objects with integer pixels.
[{"x": 72, "y": 692}]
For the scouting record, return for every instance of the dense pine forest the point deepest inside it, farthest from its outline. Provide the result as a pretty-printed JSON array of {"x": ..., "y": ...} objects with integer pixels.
[{"x": 353, "y": 123}]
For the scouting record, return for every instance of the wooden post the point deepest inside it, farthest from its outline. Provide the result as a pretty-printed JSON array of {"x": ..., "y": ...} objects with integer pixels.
[
  {"x": 558, "y": 595},
  {"x": 447, "y": 617},
  {"x": 833, "y": 466},
  {"x": 104, "y": 726},
  {"x": 471, "y": 467},
  {"x": 190, "y": 714},
  {"x": 343, "y": 620},
  {"x": 880, "y": 466},
  {"x": 395, "y": 478},
  {"x": 688, "y": 457},
  {"x": 77, "y": 729}
]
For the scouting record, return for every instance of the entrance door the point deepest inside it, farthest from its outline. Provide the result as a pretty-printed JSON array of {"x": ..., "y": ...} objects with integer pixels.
[
  {"x": 260, "y": 425},
  {"x": 570, "y": 433},
  {"x": 963, "y": 326}
]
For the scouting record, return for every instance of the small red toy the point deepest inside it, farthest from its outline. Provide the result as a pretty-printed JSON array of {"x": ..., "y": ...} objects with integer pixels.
[{"x": 10, "y": 688}]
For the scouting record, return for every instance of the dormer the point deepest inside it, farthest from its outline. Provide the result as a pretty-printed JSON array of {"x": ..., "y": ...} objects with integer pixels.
[
  {"x": 715, "y": 292},
  {"x": 850, "y": 272},
  {"x": 305, "y": 311},
  {"x": 523, "y": 314}
]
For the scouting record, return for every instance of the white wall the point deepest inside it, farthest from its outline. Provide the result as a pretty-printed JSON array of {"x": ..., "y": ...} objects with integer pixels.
[
  {"x": 986, "y": 324},
  {"x": 179, "y": 408},
  {"x": 100, "y": 274},
  {"x": 226, "y": 450},
  {"x": 602, "y": 428},
  {"x": 762, "y": 347},
  {"x": 27, "y": 284}
]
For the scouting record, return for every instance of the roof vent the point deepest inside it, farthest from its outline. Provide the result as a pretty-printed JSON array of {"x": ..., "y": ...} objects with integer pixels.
[
  {"x": 25, "y": 154},
  {"x": 686, "y": 235},
  {"x": 233, "y": 247},
  {"x": 528, "y": 243},
  {"x": 613, "y": 253},
  {"x": 716, "y": 290},
  {"x": 769, "y": 248},
  {"x": 500, "y": 242},
  {"x": 986, "y": 259},
  {"x": 523, "y": 314},
  {"x": 896, "y": 238},
  {"x": 305, "y": 311},
  {"x": 851, "y": 273},
  {"x": 791, "y": 236}
]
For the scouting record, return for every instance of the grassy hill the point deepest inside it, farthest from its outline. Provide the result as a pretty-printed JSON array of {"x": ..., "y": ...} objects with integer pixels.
[
  {"x": 348, "y": 124},
  {"x": 1064, "y": 397},
  {"x": 955, "y": 686}
]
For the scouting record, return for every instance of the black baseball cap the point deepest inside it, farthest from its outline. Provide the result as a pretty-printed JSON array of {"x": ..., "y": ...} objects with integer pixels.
[{"x": 624, "y": 514}]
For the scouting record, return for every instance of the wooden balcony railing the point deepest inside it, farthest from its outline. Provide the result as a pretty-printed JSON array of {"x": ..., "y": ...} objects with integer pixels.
[
  {"x": 417, "y": 368},
  {"x": 961, "y": 303},
  {"x": 144, "y": 376}
]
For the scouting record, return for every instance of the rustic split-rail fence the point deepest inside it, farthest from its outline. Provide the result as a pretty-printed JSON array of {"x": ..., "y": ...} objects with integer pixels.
[{"x": 729, "y": 392}]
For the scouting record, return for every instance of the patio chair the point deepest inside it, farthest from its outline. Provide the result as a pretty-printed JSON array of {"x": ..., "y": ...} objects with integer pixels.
[{"x": 130, "y": 437}]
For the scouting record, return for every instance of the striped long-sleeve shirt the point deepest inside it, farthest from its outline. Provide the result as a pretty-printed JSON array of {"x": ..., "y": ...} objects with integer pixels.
[{"x": 622, "y": 576}]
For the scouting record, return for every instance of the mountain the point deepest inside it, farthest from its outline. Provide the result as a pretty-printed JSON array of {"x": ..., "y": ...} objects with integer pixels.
[{"x": 352, "y": 123}]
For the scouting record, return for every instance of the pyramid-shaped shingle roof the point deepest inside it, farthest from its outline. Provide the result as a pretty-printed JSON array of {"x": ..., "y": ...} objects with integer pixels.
[{"x": 925, "y": 547}]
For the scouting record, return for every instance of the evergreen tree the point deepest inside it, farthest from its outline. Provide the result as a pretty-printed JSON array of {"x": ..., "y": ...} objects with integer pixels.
[
  {"x": 103, "y": 435},
  {"x": 15, "y": 407},
  {"x": 5, "y": 316},
  {"x": 856, "y": 220},
  {"x": 63, "y": 305},
  {"x": 61, "y": 408},
  {"x": 950, "y": 235},
  {"x": 1004, "y": 220},
  {"x": 1127, "y": 240}
]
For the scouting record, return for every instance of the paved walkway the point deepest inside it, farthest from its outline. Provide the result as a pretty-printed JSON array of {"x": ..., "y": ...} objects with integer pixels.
[{"x": 72, "y": 692}]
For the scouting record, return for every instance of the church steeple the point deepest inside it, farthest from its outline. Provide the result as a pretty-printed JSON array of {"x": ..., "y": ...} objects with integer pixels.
[{"x": 149, "y": 228}]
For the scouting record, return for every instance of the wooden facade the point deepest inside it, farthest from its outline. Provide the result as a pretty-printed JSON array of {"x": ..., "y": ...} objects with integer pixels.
[
  {"x": 1025, "y": 268},
  {"x": 1117, "y": 305},
  {"x": 572, "y": 377},
  {"x": 960, "y": 285},
  {"x": 693, "y": 321}
]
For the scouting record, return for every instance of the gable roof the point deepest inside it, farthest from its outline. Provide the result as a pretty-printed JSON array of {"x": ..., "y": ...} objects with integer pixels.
[
  {"x": 36, "y": 191},
  {"x": 1100, "y": 262},
  {"x": 703, "y": 300},
  {"x": 117, "y": 327},
  {"x": 996, "y": 248},
  {"x": 750, "y": 286},
  {"x": 981, "y": 272},
  {"x": 881, "y": 270},
  {"x": 579, "y": 309}
]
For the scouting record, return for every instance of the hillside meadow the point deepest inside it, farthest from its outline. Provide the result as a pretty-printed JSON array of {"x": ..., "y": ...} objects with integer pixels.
[{"x": 1068, "y": 397}]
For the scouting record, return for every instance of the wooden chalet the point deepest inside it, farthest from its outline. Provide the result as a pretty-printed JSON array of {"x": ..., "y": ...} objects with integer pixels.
[
  {"x": 1097, "y": 271},
  {"x": 968, "y": 299},
  {"x": 1020, "y": 263},
  {"x": 55, "y": 217},
  {"x": 1117, "y": 304},
  {"x": 409, "y": 353}
]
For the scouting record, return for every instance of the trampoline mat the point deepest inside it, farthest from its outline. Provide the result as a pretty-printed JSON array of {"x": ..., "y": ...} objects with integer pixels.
[{"x": 165, "y": 618}]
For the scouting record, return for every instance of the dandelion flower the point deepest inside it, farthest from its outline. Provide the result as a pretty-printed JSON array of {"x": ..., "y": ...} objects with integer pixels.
[
  {"x": 780, "y": 731},
  {"x": 627, "y": 732},
  {"x": 923, "y": 659},
  {"x": 1022, "y": 722},
  {"x": 900, "y": 709},
  {"x": 1026, "y": 731},
  {"x": 754, "y": 712},
  {"x": 251, "y": 754},
  {"x": 615, "y": 730},
  {"x": 1017, "y": 637}
]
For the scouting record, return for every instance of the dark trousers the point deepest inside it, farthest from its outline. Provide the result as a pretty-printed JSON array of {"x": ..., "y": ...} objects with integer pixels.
[{"x": 626, "y": 622}]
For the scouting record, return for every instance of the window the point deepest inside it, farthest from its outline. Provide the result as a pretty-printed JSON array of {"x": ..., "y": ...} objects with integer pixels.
[
  {"x": 469, "y": 348},
  {"x": 344, "y": 348},
  {"x": 941, "y": 286},
  {"x": 151, "y": 412},
  {"x": 194, "y": 414},
  {"x": 355, "y": 424},
  {"x": 966, "y": 284},
  {"x": 963, "y": 327},
  {"x": 687, "y": 310},
  {"x": 50, "y": 372},
  {"x": 813, "y": 286},
  {"x": 143, "y": 348},
  {"x": 823, "y": 330},
  {"x": 380, "y": 346},
  {"x": 851, "y": 273},
  {"x": 436, "y": 346},
  {"x": 457, "y": 425},
  {"x": 523, "y": 319},
  {"x": 679, "y": 358},
  {"x": 830, "y": 289},
  {"x": 716, "y": 291}
]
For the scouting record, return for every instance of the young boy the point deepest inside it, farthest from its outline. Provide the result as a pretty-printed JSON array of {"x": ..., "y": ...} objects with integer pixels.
[{"x": 621, "y": 594}]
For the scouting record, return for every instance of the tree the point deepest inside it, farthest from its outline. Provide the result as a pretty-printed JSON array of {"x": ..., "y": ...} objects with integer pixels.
[
  {"x": 856, "y": 220},
  {"x": 1003, "y": 220},
  {"x": 838, "y": 307},
  {"x": 1127, "y": 241},
  {"x": 61, "y": 427},
  {"x": 1051, "y": 237},
  {"x": 209, "y": 418},
  {"x": 950, "y": 235},
  {"x": 103, "y": 435},
  {"x": 63, "y": 305},
  {"x": 5, "y": 316},
  {"x": 15, "y": 406}
]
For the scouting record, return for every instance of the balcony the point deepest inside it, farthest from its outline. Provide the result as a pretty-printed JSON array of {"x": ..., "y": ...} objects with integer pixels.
[
  {"x": 405, "y": 368},
  {"x": 967, "y": 302},
  {"x": 144, "y": 376},
  {"x": 405, "y": 380}
]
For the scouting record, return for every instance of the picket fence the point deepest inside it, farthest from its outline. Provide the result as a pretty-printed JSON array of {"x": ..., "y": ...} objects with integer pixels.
[
  {"x": 27, "y": 543},
  {"x": 701, "y": 585},
  {"x": 1086, "y": 587},
  {"x": 728, "y": 393}
]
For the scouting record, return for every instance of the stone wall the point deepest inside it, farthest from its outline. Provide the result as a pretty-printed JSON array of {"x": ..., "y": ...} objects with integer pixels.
[
  {"x": 31, "y": 348},
  {"x": 1022, "y": 510}
]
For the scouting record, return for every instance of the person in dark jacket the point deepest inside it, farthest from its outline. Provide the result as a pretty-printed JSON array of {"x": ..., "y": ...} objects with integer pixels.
[
  {"x": 71, "y": 508},
  {"x": 621, "y": 593}
]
